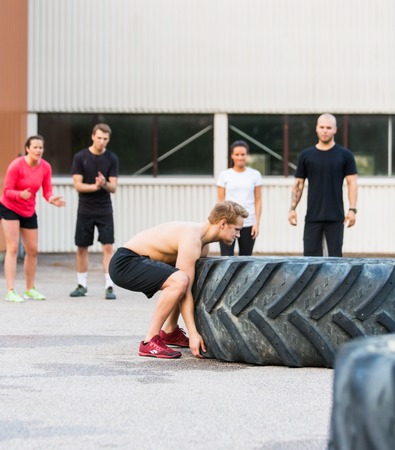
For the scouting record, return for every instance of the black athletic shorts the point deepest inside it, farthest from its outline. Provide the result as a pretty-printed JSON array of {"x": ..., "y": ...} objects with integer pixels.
[
  {"x": 137, "y": 273},
  {"x": 85, "y": 229},
  {"x": 30, "y": 223}
]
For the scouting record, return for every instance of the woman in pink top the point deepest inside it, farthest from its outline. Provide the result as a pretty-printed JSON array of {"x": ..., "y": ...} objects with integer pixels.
[{"x": 24, "y": 177}]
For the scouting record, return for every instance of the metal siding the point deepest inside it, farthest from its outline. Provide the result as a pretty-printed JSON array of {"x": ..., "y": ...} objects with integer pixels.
[
  {"x": 253, "y": 56},
  {"x": 142, "y": 203}
]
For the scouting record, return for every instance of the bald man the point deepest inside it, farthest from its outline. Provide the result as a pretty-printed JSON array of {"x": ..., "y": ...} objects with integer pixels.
[{"x": 325, "y": 166}]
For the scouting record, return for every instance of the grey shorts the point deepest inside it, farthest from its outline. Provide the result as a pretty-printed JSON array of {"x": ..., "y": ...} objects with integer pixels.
[{"x": 137, "y": 273}]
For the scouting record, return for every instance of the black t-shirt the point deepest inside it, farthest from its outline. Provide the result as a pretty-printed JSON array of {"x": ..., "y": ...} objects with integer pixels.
[
  {"x": 325, "y": 171},
  {"x": 87, "y": 164}
]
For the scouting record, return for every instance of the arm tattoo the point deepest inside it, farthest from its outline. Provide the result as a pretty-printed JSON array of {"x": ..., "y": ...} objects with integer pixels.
[{"x": 296, "y": 194}]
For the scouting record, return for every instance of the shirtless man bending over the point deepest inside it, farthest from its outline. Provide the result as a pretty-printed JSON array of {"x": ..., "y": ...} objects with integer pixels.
[{"x": 163, "y": 258}]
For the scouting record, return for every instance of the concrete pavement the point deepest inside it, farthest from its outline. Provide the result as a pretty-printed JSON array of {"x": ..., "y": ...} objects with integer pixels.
[{"x": 70, "y": 378}]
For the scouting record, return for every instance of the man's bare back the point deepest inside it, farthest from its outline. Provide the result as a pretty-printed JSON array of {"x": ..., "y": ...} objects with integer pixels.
[{"x": 165, "y": 241}]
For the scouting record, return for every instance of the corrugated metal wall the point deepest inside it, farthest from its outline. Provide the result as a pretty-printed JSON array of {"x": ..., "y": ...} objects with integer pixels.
[
  {"x": 141, "y": 203},
  {"x": 213, "y": 56},
  {"x": 250, "y": 56}
]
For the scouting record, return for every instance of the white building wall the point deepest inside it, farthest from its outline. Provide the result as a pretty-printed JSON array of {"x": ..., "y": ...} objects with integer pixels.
[
  {"x": 140, "y": 203},
  {"x": 220, "y": 57},
  {"x": 250, "y": 56}
]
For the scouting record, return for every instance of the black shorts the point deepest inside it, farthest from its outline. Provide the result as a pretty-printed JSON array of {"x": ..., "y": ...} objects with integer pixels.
[
  {"x": 137, "y": 273},
  {"x": 85, "y": 229},
  {"x": 30, "y": 223}
]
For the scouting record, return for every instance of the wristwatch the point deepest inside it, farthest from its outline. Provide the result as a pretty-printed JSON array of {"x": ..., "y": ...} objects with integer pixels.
[{"x": 353, "y": 210}]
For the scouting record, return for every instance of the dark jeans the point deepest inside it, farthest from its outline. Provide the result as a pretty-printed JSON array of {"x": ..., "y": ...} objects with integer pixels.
[
  {"x": 314, "y": 233},
  {"x": 246, "y": 244}
]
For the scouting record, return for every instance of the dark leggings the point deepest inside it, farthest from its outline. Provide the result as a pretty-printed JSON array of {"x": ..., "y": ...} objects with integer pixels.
[{"x": 246, "y": 244}]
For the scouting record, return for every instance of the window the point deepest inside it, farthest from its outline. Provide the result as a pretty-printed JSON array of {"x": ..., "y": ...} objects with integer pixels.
[
  {"x": 182, "y": 144},
  {"x": 265, "y": 136},
  {"x": 391, "y": 144},
  {"x": 276, "y": 140},
  {"x": 148, "y": 145},
  {"x": 368, "y": 140}
]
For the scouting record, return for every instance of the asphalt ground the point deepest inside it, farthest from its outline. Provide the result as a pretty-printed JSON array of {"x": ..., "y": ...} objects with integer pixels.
[{"x": 71, "y": 378}]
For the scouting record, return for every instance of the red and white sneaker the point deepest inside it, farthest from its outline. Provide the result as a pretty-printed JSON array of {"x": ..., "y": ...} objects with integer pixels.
[
  {"x": 177, "y": 337},
  {"x": 157, "y": 349}
]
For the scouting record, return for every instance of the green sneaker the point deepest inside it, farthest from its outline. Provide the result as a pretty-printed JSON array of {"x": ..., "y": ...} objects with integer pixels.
[
  {"x": 80, "y": 291},
  {"x": 12, "y": 296},
  {"x": 110, "y": 294},
  {"x": 33, "y": 294}
]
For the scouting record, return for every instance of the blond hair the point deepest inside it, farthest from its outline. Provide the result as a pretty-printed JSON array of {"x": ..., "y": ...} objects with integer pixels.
[{"x": 227, "y": 210}]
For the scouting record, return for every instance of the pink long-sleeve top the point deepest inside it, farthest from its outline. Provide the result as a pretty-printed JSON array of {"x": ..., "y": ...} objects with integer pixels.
[{"x": 20, "y": 176}]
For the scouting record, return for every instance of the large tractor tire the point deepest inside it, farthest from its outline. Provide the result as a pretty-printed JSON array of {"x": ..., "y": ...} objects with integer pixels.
[
  {"x": 293, "y": 311},
  {"x": 363, "y": 413}
]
